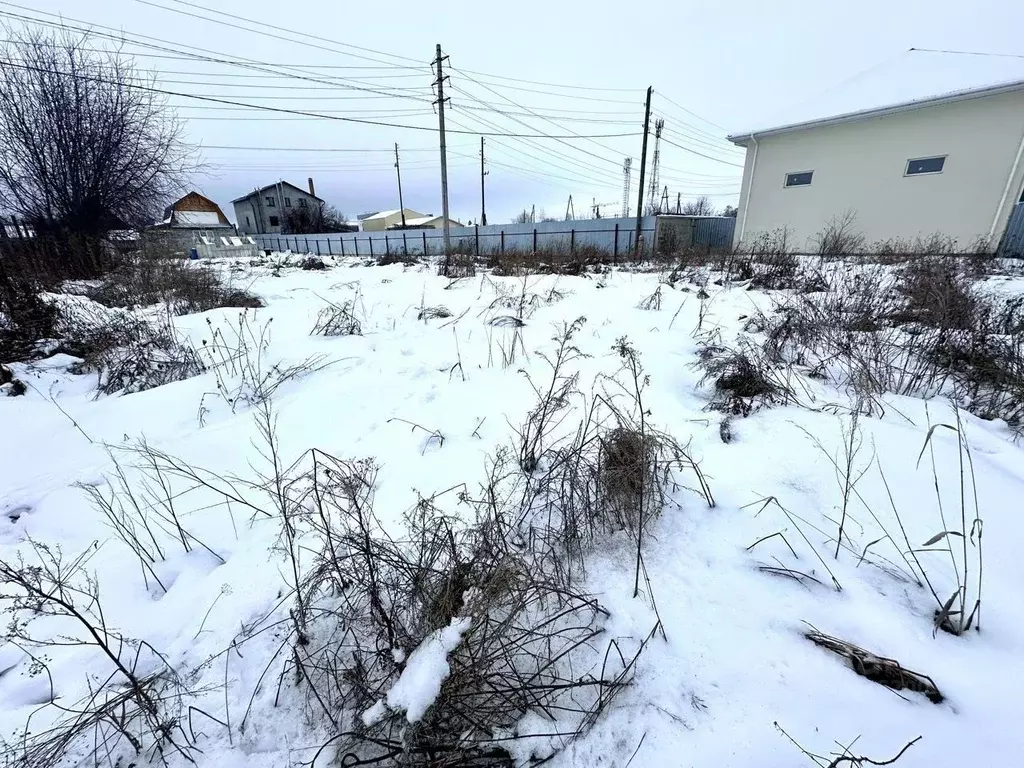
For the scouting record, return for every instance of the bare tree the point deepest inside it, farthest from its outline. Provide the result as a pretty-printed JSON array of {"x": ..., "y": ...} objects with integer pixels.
[
  {"x": 523, "y": 217},
  {"x": 730, "y": 211},
  {"x": 700, "y": 207},
  {"x": 313, "y": 220},
  {"x": 86, "y": 145}
]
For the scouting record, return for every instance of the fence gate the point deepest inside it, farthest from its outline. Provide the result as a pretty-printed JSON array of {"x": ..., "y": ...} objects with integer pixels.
[{"x": 1013, "y": 240}]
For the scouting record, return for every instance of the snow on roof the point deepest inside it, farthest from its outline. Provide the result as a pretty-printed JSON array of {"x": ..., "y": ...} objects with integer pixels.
[
  {"x": 198, "y": 219},
  {"x": 382, "y": 214},
  {"x": 418, "y": 220},
  {"x": 914, "y": 77}
]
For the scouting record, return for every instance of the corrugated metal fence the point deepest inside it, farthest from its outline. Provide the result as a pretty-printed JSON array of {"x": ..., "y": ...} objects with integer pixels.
[
  {"x": 1013, "y": 240},
  {"x": 612, "y": 236}
]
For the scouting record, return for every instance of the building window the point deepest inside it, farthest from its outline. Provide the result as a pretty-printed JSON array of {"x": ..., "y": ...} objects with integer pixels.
[
  {"x": 925, "y": 165},
  {"x": 287, "y": 202},
  {"x": 271, "y": 201},
  {"x": 799, "y": 179},
  {"x": 274, "y": 221},
  {"x": 302, "y": 202},
  {"x": 247, "y": 222}
]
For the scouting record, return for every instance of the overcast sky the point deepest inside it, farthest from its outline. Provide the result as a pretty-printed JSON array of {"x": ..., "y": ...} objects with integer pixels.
[{"x": 715, "y": 69}]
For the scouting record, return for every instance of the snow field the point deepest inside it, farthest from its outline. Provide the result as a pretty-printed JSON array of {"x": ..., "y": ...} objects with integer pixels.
[{"x": 735, "y": 661}]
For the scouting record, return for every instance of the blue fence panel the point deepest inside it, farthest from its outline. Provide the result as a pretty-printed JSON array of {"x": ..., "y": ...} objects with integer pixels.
[
  {"x": 1013, "y": 240},
  {"x": 614, "y": 236},
  {"x": 714, "y": 231}
]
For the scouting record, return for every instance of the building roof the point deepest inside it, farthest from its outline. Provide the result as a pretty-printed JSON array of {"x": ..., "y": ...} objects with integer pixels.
[
  {"x": 202, "y": 219},
  {"x": 419, "y": 221},
  {"x": 382, "y": 214},
  {"x": 914, "y": 79},
  {"x": 261, "y": 190}
]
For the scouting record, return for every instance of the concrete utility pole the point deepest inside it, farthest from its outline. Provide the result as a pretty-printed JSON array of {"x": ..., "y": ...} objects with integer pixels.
[
  {"x": 398, "y": 170},
  {"x": 643, "y": 166},
  {"x": 444, "y": 154},
  {"x": 483, "y": 199}
]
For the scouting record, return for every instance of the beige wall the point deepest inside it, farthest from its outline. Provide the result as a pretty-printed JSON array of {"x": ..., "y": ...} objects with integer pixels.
[
  {"x": 380, "y": 224},
  {"x": 859, "y": 166}
]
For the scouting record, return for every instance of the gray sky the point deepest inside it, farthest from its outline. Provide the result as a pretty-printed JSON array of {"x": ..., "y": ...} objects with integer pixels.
[{"x": 730, "y": 64}]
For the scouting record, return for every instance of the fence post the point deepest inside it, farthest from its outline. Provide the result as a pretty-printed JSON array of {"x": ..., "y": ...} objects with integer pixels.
[
  {"x": 329, "y": 252},
  {"x": 572, "y": 240},
  {"x": 371, "y": 246},
  {"x": 355, "y": 242},
  {"x": 387, "y": 244},
  {"x": 405, "y": 244},
  {"x": 341, "y": 241},
  {"x": 307, "y": 243},
  {"x": 534, "y": 239},
  {"x": 317, "y": 241},
  {"x": 503, "y": 241},
  {"x": 615, "y": 247},
  {"x": 424, "y": 242},
  {"x": 476, "y": 235}
]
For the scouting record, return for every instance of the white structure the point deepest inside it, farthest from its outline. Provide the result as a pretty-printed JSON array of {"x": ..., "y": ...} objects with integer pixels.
[
  {"x": 928, "y": 143},
  {"x": 378, "y": 222},
  {"x": 265, "y": 210},
  {"x": 427, "y": 222}
]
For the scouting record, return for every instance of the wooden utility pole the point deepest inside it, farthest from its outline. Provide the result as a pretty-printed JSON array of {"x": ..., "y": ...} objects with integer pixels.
[
  {"x": 444, "y": 154},
  {"x": 398, "y": 170},
  {"x": 483, "y": 199},
  {"x": 643, "y": 167}
]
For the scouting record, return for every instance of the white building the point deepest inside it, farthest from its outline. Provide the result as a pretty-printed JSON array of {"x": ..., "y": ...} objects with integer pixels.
[
  {"x": 927, "y": 143},
  {"x": 427, "y": 222},
  {"x": 381, "y": 220}
]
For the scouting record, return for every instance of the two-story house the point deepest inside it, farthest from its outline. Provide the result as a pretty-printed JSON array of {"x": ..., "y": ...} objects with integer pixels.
[{"x": 265, "y": 210}]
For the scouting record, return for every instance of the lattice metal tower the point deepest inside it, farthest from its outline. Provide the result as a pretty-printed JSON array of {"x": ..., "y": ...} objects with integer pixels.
[
  {"x": 663, "y": 205},
  {"x": 627, "y": 164},
  {"x": 653, "y": 189}
]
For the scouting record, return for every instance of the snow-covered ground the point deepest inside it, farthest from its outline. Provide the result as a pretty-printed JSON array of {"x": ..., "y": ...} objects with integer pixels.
[{"x": 734, "y": 669}]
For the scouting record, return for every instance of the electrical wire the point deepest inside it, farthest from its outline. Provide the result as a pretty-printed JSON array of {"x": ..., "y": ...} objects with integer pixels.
[
  {"x": 289, "y": 111},
  {"x": 701, "y": 154}
]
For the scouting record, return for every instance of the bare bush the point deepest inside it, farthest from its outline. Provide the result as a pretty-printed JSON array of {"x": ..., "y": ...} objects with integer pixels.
[
  {"x": 133, "y": 709},
  {"x": 83, "y": 149},
  {"x": 151, "y": 277},
  {"x": 338, "y": 320},
  {"x": 25, "y": 317},
  {"x": 961, "y": 611},
  {"x": 552, "y": 402},
  {"x": 938, "y": 293},
  {"x": 129, "y": 352},
  {"x": 744, "y": 379},
  {"x": 839, "y": 237},
  {"x": 845, "y": 757},
  {"x": 237, "y": 355},
  {"x": 652, "y": 302}
]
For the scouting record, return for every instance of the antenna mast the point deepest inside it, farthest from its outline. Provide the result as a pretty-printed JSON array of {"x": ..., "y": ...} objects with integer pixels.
[
  {"x": 627, "y": 165},
  {"x": 658, "y": 125}
]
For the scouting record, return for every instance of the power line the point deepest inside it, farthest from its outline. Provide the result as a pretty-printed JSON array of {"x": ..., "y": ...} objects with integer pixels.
[
  {"x": 312, "y": 149},
  {"x": 275, "y": 27},
  {"x": 589, "y": 170},
  {"x": 689, "y": 112},
  {"x": 284, "y": 110},
  {"x": 521, "y": 122},
  {"x": 236, "y": 61},
  {"x": 701, "y": 154}
]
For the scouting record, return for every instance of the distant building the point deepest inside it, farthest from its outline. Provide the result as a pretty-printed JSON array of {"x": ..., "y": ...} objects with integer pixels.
[
  {"x": 425, "y": 222},
  {"x": 378, "y": 222},
  {"x": 186, "y": 222},
  {"x": 194, "y": 212},
  {"x": 928, "y": 144},
  {"x": 263, "y": 211}
]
